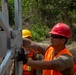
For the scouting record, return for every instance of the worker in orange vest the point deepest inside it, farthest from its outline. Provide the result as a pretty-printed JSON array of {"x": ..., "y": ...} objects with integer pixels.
[
  {"x": 57, "y": 58},
  {"x": 27, "y": 70}
]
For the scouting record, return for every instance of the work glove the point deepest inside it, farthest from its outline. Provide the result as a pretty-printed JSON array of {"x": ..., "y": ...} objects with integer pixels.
[{"x": 21, "y": 56}]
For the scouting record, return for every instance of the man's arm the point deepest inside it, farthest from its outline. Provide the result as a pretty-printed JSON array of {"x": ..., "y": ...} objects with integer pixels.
[
  {"x": 62, "y": 63},
  {"x": 38, "y": 47}
]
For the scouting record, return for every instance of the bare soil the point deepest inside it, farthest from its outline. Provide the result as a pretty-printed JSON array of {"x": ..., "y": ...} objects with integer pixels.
[{"x": 72, "y": 45}]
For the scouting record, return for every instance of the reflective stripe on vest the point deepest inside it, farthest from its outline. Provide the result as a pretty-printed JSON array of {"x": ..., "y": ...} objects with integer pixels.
[{"x": 48, "y": 57}]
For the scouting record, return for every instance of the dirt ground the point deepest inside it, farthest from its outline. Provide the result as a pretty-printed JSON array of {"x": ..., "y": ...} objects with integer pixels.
[{"x": 72, "y": 45}]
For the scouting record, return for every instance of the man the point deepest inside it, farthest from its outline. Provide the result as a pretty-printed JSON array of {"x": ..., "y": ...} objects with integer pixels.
[
  {"x": 27, "y": 70},
  {"x": 57, "y": 58}
]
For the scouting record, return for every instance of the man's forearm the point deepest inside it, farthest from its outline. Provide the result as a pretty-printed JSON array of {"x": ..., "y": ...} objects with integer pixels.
[{"x": 37, "y": 47}]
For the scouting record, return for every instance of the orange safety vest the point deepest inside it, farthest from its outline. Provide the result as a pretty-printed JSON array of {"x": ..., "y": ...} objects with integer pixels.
[
  {"x": 27, "y": 70},
  {"x": 48, "y": 57},
  {"x": 74, "y": 73}
]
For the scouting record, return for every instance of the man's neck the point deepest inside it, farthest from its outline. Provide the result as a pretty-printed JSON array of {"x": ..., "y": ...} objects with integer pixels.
[{"x": 58, "y": 49}]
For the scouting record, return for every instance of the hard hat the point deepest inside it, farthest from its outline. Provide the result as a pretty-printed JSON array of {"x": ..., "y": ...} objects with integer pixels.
[
  {"x": 26, "y": 33},
  {"x": 61, "y": 29}
]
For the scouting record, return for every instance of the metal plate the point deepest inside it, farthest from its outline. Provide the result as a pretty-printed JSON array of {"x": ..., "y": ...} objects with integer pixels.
[{"x": 3, "y": 44}]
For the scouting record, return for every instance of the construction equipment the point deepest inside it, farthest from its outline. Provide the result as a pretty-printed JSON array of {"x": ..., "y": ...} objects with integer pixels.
[{"x": 10, "y": 39}]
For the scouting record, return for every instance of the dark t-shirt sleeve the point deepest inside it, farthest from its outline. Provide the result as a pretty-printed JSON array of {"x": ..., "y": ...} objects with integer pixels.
[{"x": 64, "y": 62}]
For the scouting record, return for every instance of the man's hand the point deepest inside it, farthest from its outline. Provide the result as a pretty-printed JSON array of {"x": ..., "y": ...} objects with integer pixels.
[{"x": 21, "y": 56}]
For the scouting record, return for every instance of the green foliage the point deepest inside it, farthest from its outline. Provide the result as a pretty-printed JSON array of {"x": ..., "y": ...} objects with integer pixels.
[
  {"x": 39, "y": 32},
  {"x": 0, "y": 5},
  {"x": 44, "y": 14},
  {"x": 28, "y": 7},
  {"x": 49, "y": 12},
  {"x": 11, "y": 12}
]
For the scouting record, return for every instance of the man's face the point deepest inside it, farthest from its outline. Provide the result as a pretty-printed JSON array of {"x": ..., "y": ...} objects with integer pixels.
[{"x": 56, "y": 40}]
